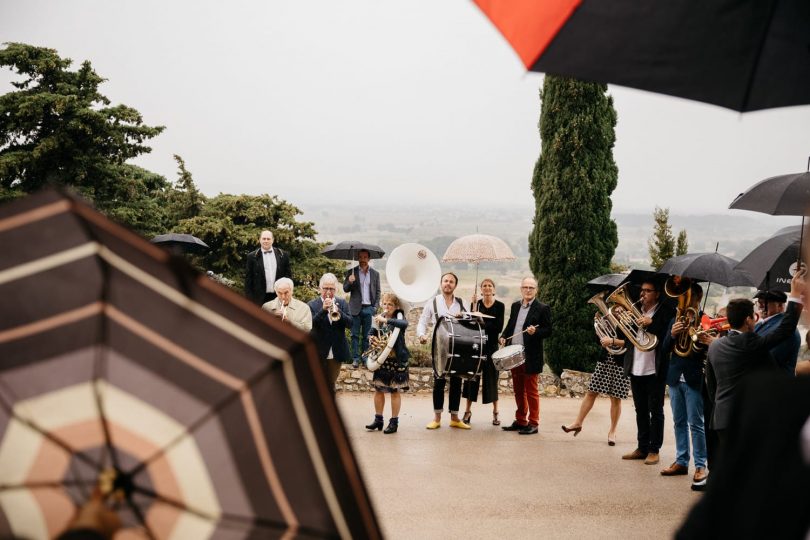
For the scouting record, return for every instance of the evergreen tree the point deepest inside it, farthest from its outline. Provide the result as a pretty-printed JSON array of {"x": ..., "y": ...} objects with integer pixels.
[
  {"x": 573, "y": 238},
  {"x": 682, "y": 246},
  {"x": 662, "y": 244}
]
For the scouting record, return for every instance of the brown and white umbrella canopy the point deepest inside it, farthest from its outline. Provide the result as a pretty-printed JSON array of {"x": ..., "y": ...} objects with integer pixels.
[
  {"x": 207, "y": 417},
  {"x": 477, "y": 248}
]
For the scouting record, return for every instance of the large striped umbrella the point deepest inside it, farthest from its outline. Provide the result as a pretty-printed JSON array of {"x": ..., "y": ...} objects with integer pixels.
[{"x": 121, "y": 365}]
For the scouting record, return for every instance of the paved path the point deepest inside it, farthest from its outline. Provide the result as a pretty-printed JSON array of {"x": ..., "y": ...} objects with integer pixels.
[{"x": 485, "y": 483}]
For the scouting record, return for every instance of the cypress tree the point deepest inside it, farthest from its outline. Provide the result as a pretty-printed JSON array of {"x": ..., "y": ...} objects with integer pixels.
[{"x": 574, "y": 238}]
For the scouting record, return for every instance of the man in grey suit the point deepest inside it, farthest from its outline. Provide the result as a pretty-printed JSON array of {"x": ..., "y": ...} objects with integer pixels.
[
  {"x": 363, "y": 283},
  {"x": 742, "y": 351}
]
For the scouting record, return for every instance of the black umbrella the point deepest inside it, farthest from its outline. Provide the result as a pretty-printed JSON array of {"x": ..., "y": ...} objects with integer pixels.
[
  {"x": 180, "y": 243},
  {"x": 712, "y": 267},
  {"x": 745, "y": 55},
  {"x": 772, "y": 263},
  {"x": 347, "y": 250},
  {"x": 605, "y": 282},
  {"x": 786, "y": 195}
]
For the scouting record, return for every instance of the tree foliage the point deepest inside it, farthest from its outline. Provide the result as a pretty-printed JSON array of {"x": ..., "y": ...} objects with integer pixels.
[
  {"x": 682, "y": 244},
  {"x": 662, "y": 245},
  {"x": 573, "y": 239},
  {"x": 57, "y": 128}
]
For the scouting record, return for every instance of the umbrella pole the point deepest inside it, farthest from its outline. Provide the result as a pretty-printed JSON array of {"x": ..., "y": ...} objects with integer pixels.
[
  {"x": 475, "y": 286},
  {"x": 706, "y": 297},
  {"x": 801, "y": 238}
]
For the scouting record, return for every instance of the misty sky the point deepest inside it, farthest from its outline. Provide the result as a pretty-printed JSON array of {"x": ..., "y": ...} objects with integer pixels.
[{"x": 385, "y": 102}]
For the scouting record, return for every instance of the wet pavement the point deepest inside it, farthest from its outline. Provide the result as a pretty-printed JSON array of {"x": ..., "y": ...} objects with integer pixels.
[{"x": 486, "y": 483}]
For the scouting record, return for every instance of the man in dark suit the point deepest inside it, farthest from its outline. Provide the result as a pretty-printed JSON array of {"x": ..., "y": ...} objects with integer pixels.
[
  {"x": 772, "y": 310},
  {"x": 363, "y": 283},
  {"x": 330, "y": 319},
  {"x": 264, "y": 266},
  {"x": 533, "y": 318},
  {"x": 742, "y": 352},
  {"x": 647, "y": 371}
]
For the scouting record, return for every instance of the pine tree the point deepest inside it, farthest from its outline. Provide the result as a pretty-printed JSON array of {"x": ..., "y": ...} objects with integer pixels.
[
  {"x": 573, "y": 238},
  {"x": 682, "y": 246},
  {"x": 662, "y": 244}
]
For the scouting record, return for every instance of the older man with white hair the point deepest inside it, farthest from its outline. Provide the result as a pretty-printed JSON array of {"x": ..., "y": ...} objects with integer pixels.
[
  {"x": 288, "y": 308},
  {"x": 330, "y": 319}
]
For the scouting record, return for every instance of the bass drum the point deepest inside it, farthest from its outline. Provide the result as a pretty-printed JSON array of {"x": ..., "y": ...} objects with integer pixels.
[{"x": 458, "y": 348}]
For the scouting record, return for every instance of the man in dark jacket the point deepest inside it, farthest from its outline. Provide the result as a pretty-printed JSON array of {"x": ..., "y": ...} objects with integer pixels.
[
  {"x": 647, "y": 371},
  {"x": 685, "y": 381},
  {"x": 741, "y": 352},
  {"x": 772, "y": 309},
  {"x": 529, "y": 323},
  {"x": 330, "y": 319},
  {"x": 264, "y": 266}
]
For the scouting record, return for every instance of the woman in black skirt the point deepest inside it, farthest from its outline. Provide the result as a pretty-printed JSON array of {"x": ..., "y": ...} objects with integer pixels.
[
  {"x": 392, "y": 376},
  {"x": 493, "y": 327},
  {"x": 608, "y": 378}
]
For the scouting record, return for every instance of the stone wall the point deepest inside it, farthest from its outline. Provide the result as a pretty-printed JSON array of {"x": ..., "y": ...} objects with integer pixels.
[{"x": 571, "y": 384}]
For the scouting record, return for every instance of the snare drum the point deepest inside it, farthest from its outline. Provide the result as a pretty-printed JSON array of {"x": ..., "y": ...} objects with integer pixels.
[
  {"x": 458, "y": 348},
  {"x": 508, "y": 358}
]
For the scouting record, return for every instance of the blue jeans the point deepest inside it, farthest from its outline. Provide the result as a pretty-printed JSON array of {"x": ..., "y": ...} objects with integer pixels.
[
  {"x": 687, "y": 415},
  {"x": 361, "y": 325}
]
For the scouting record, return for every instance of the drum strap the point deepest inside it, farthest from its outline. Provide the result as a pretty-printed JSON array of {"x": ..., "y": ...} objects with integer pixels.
[{"x": 436, "y": 308}]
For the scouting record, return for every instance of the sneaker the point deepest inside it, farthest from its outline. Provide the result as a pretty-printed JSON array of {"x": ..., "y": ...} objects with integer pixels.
[
  {"x": 355, "y": 364},
  {"x": 675, "y": 469},
  {"x": 459, "y": 424},
  {"x": 652, "y": 459},
  {"x": 434, "y": 425},
  {"x": 700, "y": 478}
]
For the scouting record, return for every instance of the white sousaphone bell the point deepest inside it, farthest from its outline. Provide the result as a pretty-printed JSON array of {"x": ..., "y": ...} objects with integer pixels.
[{"x": 412, "y": 272}]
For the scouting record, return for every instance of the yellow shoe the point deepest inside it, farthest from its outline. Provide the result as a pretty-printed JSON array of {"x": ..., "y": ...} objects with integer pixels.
[
  {"x": 459, "y": 424},
  {"x": 435, "y": 425}
]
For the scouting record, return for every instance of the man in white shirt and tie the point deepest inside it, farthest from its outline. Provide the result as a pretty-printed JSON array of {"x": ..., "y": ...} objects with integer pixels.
[{"x": 264, "y": 267}]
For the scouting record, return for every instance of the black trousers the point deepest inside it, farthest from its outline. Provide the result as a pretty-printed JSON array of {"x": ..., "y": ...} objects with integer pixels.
[
  {"x": 648, "y": 399},
  {"x": 438, "y": 394}
]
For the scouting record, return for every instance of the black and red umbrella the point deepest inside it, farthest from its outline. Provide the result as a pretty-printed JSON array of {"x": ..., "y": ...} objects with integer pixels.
[
  {"x": 744, "y": 55},
  {"x": 123, "y": 367}
]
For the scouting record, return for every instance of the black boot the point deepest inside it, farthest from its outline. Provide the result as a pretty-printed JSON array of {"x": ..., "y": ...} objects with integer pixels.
[
  {"x": 393, "y": 424},
  {"x": 376, "y": 424}
]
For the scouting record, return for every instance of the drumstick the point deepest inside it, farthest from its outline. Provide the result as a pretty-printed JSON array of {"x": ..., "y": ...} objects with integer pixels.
[{"x": 513, "y": 335}]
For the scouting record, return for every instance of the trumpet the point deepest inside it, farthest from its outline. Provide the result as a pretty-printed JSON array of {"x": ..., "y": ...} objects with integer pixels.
[
  {"x": 334, "y": 310},
  {"x": 712, "y": 327}
]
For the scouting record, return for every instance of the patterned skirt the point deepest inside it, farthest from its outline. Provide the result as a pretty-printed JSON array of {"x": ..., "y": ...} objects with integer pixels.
[
  {"x": 391, "y": 377},
  {"x": 609, "y": 378}
]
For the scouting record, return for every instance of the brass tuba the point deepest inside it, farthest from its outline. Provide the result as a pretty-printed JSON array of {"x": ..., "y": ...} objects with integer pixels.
[
  {"x": 625, "y": 313},
  {"x": 604, "y": 324},
  {"x": 681, "y": 288}
]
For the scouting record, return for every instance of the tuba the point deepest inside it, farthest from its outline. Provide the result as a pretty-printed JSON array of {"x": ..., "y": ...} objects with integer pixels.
[
  {"x": 603, "y": 323},
  {"x": 412, "y": 272},
  {"x": 377, "y": 353},
  {"x": 681, "y": 288},
  {"x": 625, "y": 313}
]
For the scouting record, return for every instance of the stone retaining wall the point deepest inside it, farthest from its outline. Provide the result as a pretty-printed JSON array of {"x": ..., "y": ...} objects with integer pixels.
[{"x": 571, "y": 384}]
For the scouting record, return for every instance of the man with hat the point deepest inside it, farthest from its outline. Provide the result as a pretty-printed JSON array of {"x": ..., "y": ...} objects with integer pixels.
[{"x": 772, "y": 309}]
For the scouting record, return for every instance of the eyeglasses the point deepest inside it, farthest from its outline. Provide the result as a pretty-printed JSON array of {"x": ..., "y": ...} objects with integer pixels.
[
  {"x": 648, "y": 290},
  {"x": 328, "y": 288},
  {"x": 528, "y": 288}
]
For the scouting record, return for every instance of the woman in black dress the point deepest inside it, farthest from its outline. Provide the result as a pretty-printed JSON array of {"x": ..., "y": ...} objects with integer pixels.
[{"x": 493, "y": 327}]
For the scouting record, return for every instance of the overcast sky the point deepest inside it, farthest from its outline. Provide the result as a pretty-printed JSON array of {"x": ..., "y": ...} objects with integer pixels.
[{"x": 387, "y": 102}]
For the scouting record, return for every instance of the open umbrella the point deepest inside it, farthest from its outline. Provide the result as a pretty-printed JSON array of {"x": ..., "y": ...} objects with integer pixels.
[
  {"x": 348, "y": 249},
  {"x": 771, "y": 264},
  {"x": 180, "y": 243},
  {"x": 745, "y": 55},
  {"x": 605, "y": 282},
  {"x": 786, "y": 195},
  {"x": 122, "y": 366},
  {"x": 476, "y": 248},
  {"x": 712, "y": 267}
]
